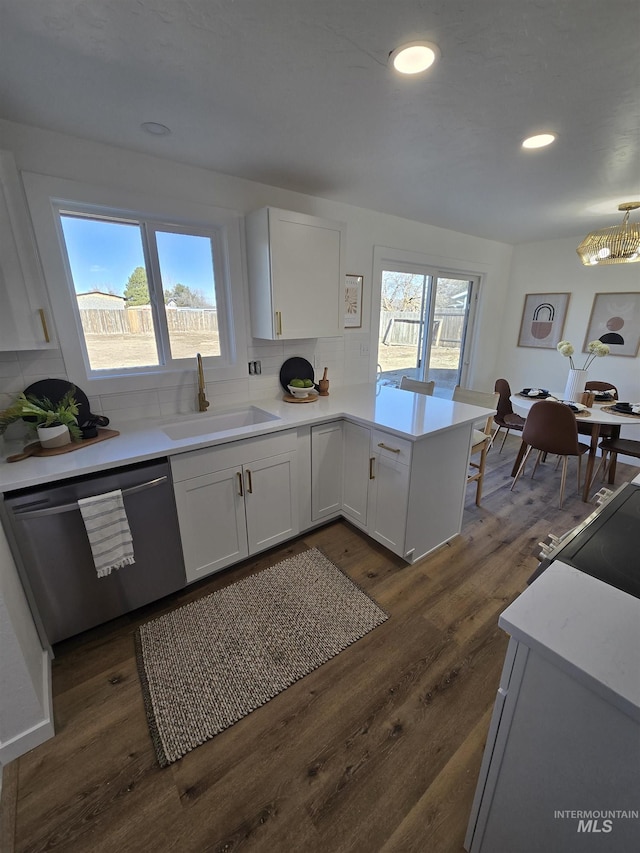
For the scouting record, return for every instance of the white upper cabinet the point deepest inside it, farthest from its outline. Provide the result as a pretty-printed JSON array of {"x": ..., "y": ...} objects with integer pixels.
[
  {"x": 296, "y": 274},
  {"x": 25, "y": 313}
]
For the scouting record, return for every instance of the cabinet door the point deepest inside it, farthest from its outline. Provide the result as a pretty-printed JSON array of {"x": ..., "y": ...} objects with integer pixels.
[
  {"x": 296, "y": 271},
  {"x": 271, "y": 502},
  {"x": 211, "y": 513},
  {"x": 355, "y": 472},
  {"x": 388, "y": 496},
  {"x": 326, "y": 470},
  {"x": 305, "y": 267},
  {"x": 25, "y": 308}
]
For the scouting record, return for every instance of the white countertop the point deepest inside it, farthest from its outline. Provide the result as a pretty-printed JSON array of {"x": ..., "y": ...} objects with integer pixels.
[
  {"x": 401, "y": 413},
  {"x": 584, "y": 626}
]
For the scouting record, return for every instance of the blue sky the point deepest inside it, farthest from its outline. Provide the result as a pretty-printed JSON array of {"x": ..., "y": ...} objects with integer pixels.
[{"x": 103, "y": 255}]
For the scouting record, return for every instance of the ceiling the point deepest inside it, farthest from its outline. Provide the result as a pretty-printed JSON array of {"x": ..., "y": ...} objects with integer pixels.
[{"x": 298, "y": 94}]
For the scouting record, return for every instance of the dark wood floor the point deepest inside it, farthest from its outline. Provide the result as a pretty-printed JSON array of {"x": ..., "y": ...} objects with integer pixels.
[{"x": 377, "y": 750}]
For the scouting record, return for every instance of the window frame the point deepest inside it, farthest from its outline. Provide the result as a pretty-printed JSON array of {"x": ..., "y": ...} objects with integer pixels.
[{"x": 48, "y": 196}]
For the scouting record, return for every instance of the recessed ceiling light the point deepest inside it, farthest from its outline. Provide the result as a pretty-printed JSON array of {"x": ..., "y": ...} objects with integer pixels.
[
  {"x": 539, "y": 141},
  {"x": 414, "y": 57},
  {"x": 155, "y": 128}
]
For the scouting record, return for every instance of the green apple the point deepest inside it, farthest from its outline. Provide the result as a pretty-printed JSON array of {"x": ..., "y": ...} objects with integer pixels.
[
  {"x": 297, "y": 383},
  {"x": 308, "y": 383}
]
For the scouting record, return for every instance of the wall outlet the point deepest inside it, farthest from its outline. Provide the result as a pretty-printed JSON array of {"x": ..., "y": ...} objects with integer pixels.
[{"x": 255, "y": 368}]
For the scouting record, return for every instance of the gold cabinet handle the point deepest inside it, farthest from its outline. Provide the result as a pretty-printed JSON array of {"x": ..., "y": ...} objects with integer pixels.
[
  {"x": 249, "y": 483},
  {"x": 45, "y": 329},
  {"x": 372, "y": 461},
  {"x": 278, "y": 322},
  {"x": 386, "y": 447},
  {"x": 240, "y": 489}
]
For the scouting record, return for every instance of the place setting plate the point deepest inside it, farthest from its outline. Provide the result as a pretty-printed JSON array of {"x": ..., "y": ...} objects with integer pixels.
[
  {"x": 541, "y": 393},
  {"x": 622, "y": 410}
]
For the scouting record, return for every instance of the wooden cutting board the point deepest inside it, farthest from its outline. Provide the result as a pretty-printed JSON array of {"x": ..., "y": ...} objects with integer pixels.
[
  {"x": 36, "y": 449},
  {"x": 289, "y": 398}
]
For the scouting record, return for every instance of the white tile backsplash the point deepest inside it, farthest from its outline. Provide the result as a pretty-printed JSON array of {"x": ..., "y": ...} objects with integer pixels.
[{"x": 176, "y": 394}]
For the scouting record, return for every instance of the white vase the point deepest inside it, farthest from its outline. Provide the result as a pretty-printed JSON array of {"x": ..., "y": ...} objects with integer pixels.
[
  {"x": 575, "y": 385},
  {"x": 54, "y": 436}
]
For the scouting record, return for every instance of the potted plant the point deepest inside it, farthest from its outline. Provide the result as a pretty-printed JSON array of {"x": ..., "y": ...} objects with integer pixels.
[{"x": 55, "y": 423}]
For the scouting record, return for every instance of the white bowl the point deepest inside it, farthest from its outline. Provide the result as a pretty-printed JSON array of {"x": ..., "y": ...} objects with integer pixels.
[{"x": 299, "y": 392}]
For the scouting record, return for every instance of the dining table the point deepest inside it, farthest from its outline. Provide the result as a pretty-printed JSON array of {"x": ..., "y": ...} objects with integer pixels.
[{"x": 595, "y": 416}]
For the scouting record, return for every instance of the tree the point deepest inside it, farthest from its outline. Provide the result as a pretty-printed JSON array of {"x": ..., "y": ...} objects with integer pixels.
[
  {"x": 402, "y": 291},
  {"x": 184, "y": 297},
  {"x": 136, "y": 291}
]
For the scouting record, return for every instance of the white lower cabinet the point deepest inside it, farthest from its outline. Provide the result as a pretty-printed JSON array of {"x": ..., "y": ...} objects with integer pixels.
[
  {"x": 387, "y": 500},
  {"x": 407, "y": 495},
  {"x": 560, "y": 761},
  {"x": 235, "y": 500},
  {"x": 326, "y": 470},
  {"x": 355, "y": 473},
  {"x": 376, "y": 484}
]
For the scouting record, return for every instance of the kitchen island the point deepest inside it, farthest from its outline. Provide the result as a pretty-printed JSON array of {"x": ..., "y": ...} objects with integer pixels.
[{"x": 561, "y": 767}]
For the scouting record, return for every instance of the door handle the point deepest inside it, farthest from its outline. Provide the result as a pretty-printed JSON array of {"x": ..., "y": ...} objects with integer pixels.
[
  {"x": 278, "y": 322},
  {"x": 386, "y": 447},
  {"x": 372, "y": 461},
  {"x": 45, "y": 329},
  {"x": 249, "y": 483},
  {"x": 240, "y": 489}
]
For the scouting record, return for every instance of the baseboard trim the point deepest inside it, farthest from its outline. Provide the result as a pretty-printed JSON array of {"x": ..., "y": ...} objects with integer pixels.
[{"x": 41, "y": 731}]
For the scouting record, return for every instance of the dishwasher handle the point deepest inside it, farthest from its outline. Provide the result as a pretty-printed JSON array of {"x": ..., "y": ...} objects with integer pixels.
[{"x": 69, "y": 507}]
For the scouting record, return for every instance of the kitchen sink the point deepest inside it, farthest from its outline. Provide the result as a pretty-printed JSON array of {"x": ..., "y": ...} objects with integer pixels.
[{"x": 209, "y": 424}]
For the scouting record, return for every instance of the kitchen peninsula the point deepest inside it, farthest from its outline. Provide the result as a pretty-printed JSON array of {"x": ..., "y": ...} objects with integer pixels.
[{"x": 392, "y": 462}]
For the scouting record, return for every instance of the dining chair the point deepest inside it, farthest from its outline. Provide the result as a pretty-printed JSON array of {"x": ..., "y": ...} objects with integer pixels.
[
  {"x": 407, "y": 384},
  {"x": 505, "y": 417},
  {"x": 481, "y": 438},
  {"x": 551, "y": 427},
  {"x": 611, "y": 447},
  {"x": 606, "y": 430}
]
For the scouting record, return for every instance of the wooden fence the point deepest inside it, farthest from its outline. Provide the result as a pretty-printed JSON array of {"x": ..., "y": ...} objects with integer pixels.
[
  {"x": 402, "y": 328},
  {"x": 138, "y": 321}
]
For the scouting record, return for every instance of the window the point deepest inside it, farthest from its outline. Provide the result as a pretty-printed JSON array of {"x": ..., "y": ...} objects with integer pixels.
[
  {"x": 145, "y": 293},
  {"x": 139, "y": 285}
]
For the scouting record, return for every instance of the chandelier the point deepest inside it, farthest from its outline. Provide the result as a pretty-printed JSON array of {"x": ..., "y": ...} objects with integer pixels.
[{"x": 619, "y": 244}]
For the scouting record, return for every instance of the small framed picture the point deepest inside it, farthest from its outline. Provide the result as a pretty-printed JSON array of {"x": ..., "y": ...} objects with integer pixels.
[
  {"x": 543, "y": 319},
  {"x": 353, "y": 301},
  {"x": 615, "y": 320}
]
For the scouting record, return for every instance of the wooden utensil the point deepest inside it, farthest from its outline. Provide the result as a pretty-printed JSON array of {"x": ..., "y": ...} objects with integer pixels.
[{"x": 323, "y": 385}]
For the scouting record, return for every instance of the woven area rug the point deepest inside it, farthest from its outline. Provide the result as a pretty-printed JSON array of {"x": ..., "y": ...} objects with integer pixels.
[{"x": 207, "y": 664}]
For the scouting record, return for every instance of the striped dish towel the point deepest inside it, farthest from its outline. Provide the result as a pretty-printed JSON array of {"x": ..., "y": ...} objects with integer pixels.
[{"x": 108, "y": 530}]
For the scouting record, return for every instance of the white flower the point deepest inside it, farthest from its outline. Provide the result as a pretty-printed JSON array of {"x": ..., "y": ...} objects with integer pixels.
[{"x": 596, "y": 349}]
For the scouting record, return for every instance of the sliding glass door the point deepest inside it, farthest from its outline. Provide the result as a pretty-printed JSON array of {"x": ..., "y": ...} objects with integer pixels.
[{"x": 425, "y": 323}]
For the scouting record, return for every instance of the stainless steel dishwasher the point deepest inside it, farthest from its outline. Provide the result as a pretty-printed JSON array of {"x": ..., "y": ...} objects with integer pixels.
[{"x": 54, "y": 556}]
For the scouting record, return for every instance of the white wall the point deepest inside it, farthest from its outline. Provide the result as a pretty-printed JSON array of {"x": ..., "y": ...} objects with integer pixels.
[
  {"x": 66, "y": 157},
  {"x": 554, "y": 267}
]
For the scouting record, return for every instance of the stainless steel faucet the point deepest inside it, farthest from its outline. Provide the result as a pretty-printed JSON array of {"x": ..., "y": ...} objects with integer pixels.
[{"x": 203, "y": 403}]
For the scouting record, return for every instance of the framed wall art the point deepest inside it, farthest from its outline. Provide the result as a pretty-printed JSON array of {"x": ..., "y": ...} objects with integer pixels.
[
  {"x": 615, "y": 320},
  {"x": 353, "y": 301},
  {"x": 543, "y": 319}
]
